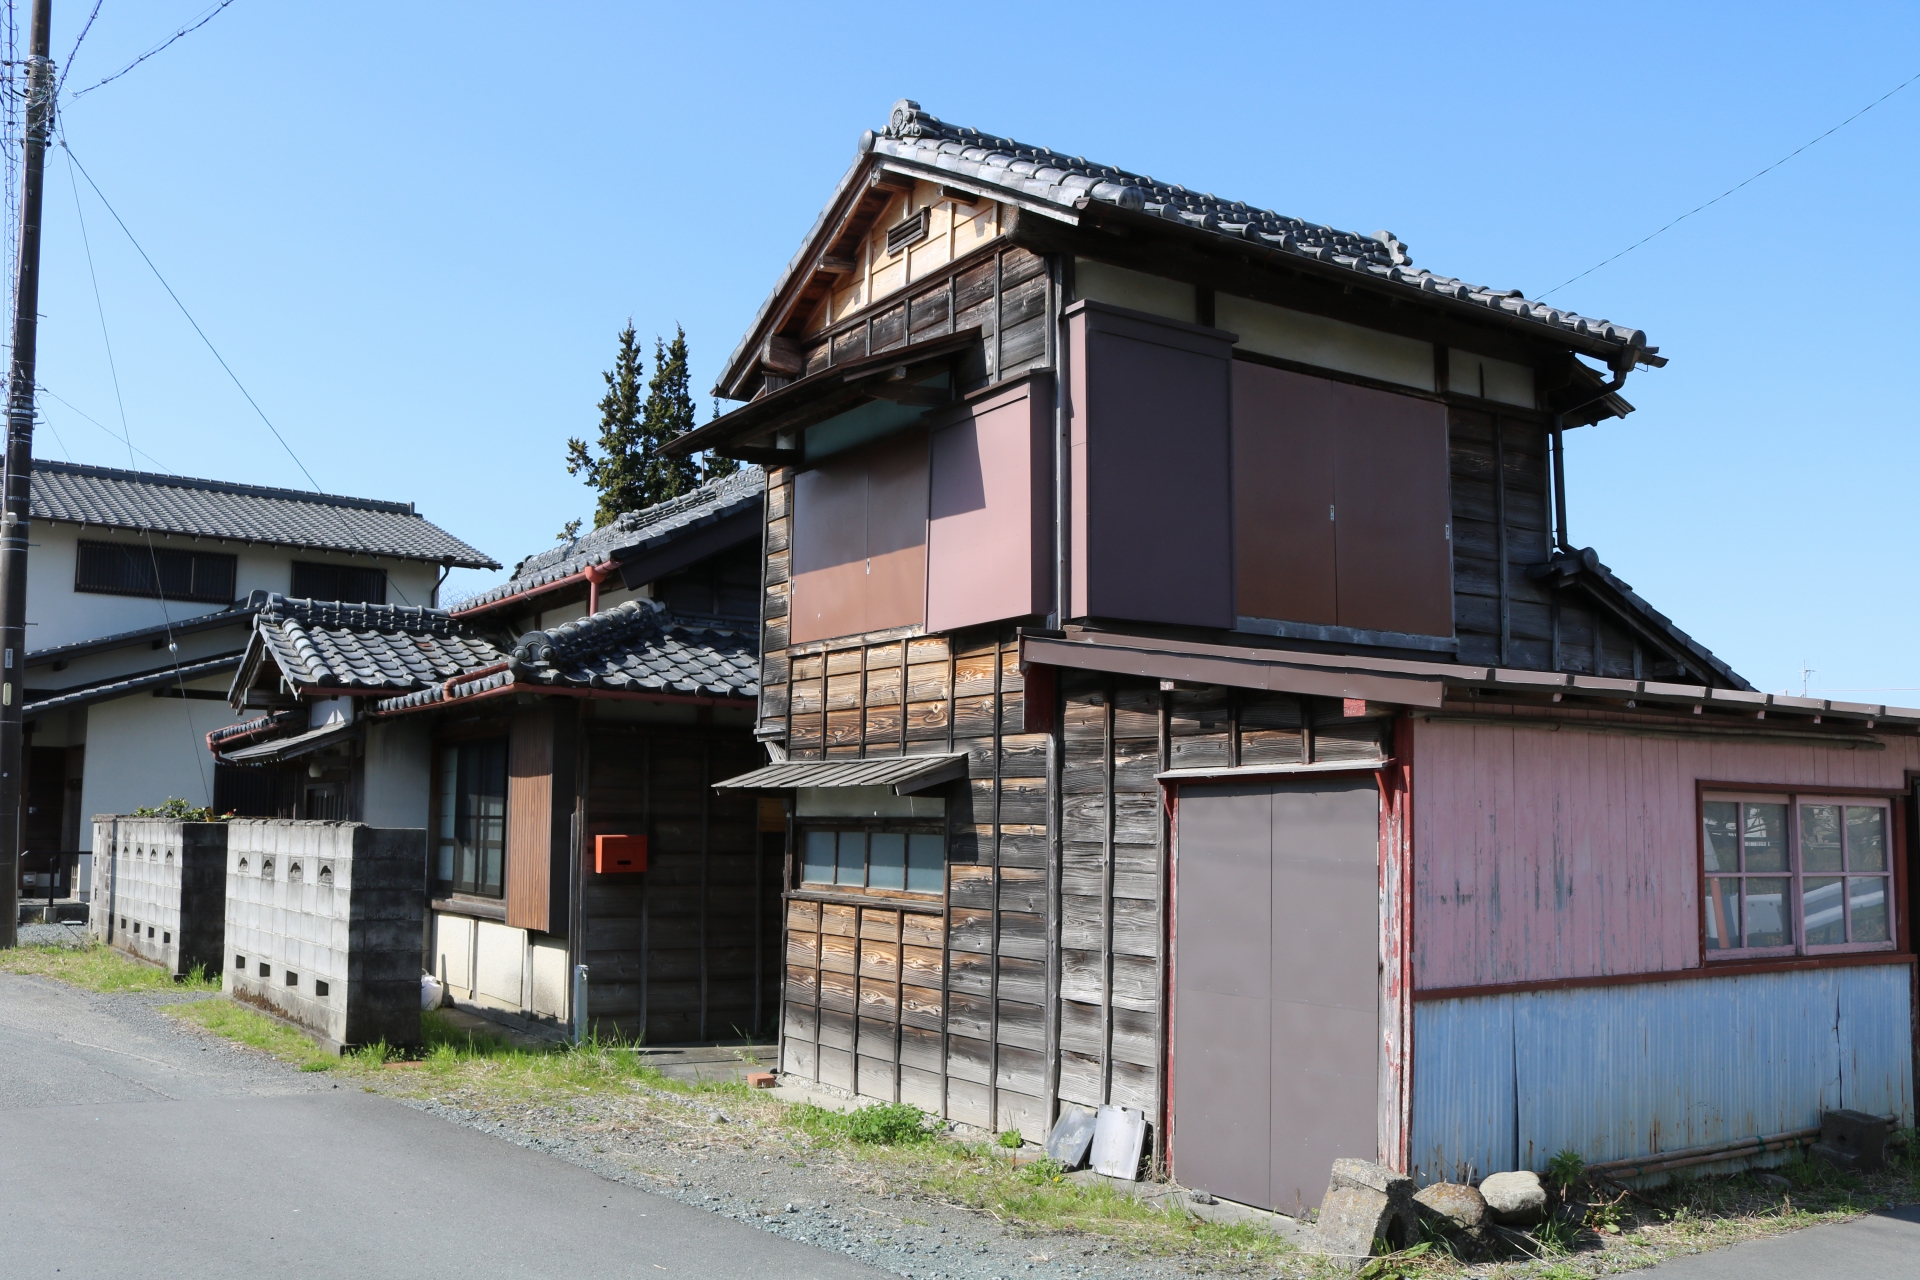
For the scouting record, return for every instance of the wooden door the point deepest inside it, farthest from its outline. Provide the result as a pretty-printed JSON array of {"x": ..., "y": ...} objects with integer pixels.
[{"x": 1276, "y": 987}]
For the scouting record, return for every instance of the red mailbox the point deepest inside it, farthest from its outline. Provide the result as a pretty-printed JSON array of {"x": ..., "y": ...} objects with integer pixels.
[{"x": 619, "y": 855}]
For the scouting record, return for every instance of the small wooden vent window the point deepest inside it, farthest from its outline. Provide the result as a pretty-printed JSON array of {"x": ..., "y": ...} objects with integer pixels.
[
  {"x": 346, "y": 583},
  {"x": 889, "y": 858},
  {"x": 168, "y": 573},
  {"x": 910, "y": 230},
  {"x": 1797, "y": 875}
]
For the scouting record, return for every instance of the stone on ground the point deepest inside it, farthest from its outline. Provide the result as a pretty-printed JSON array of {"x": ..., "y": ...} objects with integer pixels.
[
  {"x": 1454, "y": 1205},
  {"x": 1365, "y": 1202},
  {"x": 1515, "y": 1199}
]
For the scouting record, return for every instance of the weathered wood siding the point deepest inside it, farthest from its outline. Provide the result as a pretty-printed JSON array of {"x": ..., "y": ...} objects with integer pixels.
[
  {"x": 689, "y": 950},
  {"x": 1542, "y": 854}
]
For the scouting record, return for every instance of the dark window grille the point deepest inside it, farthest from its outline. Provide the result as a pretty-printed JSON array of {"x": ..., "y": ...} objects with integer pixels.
[
  {"x": 344, "y": 583},
  {"x": 909, "y": 230},
  {"x": 134, "y": 569},
  {"x": 471, "y": 826}
]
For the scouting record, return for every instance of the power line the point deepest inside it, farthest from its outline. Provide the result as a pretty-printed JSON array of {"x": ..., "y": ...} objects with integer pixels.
[
  {"x": 44, "y": 389},
  {"x": 189, "y": 315},
  {"x": 189, "y": 29},
  {"x": 77, "y": 42},
  {"x": 1730, "y": 190}
]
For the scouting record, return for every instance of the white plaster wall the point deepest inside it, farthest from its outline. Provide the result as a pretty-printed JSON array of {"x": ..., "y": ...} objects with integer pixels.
[
  {"x": 398, "y": 772},
  {"x": 142, "y": 749},
  {"x": 57, "y": 614},
  {"x": 1135, "y": 290},
  {"x": 550, "y": 983},
  {"x": 1328, "y": 343},
  {"x": 452, "y": 952},
  {"x": 500, "y": 964}
]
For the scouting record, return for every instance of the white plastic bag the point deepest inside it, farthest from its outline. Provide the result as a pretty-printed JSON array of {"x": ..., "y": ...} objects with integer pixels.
[{"x": 433, "y": 993}]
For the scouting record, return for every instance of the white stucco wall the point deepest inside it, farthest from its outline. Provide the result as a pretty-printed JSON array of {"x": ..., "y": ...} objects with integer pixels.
[
  {"x": 399, "y": 772},
  {"x": 142, "y": 749},
  {"x": 57, "y": 614}
]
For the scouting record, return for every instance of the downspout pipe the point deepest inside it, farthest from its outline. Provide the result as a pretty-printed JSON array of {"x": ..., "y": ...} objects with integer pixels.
[
  {"x": 1560, "y": 540},
  {"x": 1061, "y": 481}
]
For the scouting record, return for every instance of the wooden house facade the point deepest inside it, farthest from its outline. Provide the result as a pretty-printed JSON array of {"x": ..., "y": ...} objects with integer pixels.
[
  {"x": 558, "y": 736},
  {"x": 1183, "y": 694}
]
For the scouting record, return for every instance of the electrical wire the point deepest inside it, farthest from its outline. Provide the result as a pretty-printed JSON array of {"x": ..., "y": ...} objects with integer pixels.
[
  {"x": 189, "y": 315},
  {"x": 77, "y": 42},
  {"x": 45, "y": 390},
  {"x": 204, "y": 19},
  {"x": 1730, "y": 190}
]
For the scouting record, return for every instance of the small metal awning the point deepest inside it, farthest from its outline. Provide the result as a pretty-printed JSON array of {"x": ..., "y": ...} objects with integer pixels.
[
  {"x": 907, "y": 775},
  {"x": 299, "y": 744}
]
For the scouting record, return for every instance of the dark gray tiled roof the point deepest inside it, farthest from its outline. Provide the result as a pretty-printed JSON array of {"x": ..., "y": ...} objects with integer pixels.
[
  {"x": 635, "y": 647},
  {"x": 146, "y": 502},
  {"x": 1038, "y": 174},
  {"x": 368, "y": 646},
  {"x": 121, "y": 686},
  {"x": 629, "y": 534},
  {"x": 641, "y": 648},
  {"x": 1584, "y": 566}
]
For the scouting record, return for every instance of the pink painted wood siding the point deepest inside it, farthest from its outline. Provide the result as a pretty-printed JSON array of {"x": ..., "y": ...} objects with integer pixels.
[
  {"x": 1572, "y": 854},
  {"x": 990, "y": 516}
]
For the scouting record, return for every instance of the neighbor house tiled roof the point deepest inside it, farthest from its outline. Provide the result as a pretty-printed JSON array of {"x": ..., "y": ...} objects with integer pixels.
[
  {"x": 122, "y": 686},
  {"x": 370, "y": 647},
  {"x": 147, "y": 502},
  {"x": 635, "y": 647},
  {"x": 630, "y": 534},
  {"x": 1068, "y": 182}
]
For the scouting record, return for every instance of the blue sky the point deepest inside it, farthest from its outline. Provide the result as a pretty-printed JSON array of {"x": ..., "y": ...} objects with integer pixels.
[{"x": 414, "y": 230}]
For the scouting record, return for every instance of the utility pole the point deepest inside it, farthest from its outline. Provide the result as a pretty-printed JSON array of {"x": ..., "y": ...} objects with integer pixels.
[{"x": 15, "y": 507}]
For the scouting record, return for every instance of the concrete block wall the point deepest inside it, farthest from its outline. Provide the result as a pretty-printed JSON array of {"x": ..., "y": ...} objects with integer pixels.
[
  {"x": 159, "y": 890},
  {"x": 323, "y": 926}
]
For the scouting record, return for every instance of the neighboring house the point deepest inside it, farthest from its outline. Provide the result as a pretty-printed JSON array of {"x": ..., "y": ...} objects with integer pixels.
[
  {"x": 141, "y": 590},
  {"x": 1186, "y": 696},
  {"x": 597, "y": 693}
]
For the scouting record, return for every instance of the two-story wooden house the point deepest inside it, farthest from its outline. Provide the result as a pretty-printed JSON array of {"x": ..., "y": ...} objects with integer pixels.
[{"x": 1186, "y": 695}]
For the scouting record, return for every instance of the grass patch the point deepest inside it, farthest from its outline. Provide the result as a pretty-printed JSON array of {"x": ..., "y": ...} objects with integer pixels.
[
  {"x": 101, "y": 968},
  {"x": 256, "y": 1030},
  {"x": 881, "y": 1124}
]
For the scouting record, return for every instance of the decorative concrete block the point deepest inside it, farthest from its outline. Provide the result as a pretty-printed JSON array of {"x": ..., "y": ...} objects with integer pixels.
[
  {"x": 1852, "y": 1140},
  {"x": 324, "y": 926},
  {"x": 159, "y": 890}
]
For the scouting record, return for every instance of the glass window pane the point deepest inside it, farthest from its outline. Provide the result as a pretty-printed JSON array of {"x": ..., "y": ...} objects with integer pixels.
[
  {"x": 1723, "y": 835},
  {"x": 853, "y": 858},
  {"x": 1723, "y": 915},
  {"x": 1866, "y": 838},
  {"x": 887, "y": 860},
  {"x": 926, "y": 863},
  {"x": 1867, "y": 904},
  {"x": 1764, "y": 837},
  {"x": 1825, "y": 914},
  {"x": 1768, "y": 924},
  {"x": 816, "y": 866},
  {"x": 1819, "y": 840}
]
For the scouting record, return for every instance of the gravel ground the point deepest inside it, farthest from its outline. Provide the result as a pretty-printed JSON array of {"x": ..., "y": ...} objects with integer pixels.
[{"x": 53, "y": 935}]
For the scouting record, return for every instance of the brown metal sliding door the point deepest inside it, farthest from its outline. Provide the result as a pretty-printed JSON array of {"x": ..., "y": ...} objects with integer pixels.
[{"x": 1276, "y": 977}]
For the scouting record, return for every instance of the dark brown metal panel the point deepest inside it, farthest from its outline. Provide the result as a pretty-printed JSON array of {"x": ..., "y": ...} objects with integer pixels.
[
  {"x": 1158, "y": 531},
  {"x": 1276, "y": 987},
  {"x": 530, "y": 795},
  {"x": 990, "y": 480},
  {"x": 829, "y": 550},
  {"x": 896, "y": 588},
  {"x": 1394, "y": 560},
  {"x": 1223, "y": 997},
  {"x": 1283, "y": 494},
  {"x": 1326, "y": 927}
]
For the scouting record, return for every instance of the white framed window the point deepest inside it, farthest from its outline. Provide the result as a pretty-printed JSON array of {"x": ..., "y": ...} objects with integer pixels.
[
  {"x": 890, "y": 858},
  {"x": 1795, "y": 873}
]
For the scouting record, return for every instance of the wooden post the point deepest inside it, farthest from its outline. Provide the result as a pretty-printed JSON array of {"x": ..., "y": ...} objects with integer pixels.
[{"x": 16, "y": 512}]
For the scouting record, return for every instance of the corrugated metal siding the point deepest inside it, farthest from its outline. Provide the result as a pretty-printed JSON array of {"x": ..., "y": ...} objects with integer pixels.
[{"x": 1504, "y": 1082}]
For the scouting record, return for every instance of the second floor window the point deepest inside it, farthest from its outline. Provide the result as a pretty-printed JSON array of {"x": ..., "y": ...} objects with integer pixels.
[
  {"x": 345, "y": 583},
  {"x": 157, "y": 572},
  {"x": 470, "y": 837}
]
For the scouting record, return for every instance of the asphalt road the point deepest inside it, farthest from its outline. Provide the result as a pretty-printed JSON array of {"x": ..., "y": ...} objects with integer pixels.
[
  {"x": 1883, "y": 1246},
  {"x": 129, "y": 1146}
]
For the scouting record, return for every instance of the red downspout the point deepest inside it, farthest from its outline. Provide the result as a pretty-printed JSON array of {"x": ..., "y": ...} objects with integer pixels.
[{"x": 596, "y": 574}]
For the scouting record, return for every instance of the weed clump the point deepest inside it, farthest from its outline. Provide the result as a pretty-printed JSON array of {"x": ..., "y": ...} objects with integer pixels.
[{"x": 886, "y": 1124}]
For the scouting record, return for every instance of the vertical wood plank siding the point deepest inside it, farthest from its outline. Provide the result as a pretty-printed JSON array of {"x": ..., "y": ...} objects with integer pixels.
[
  {"x": 688, "y": 951},
  {"x": 1571, "y": 854}
]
